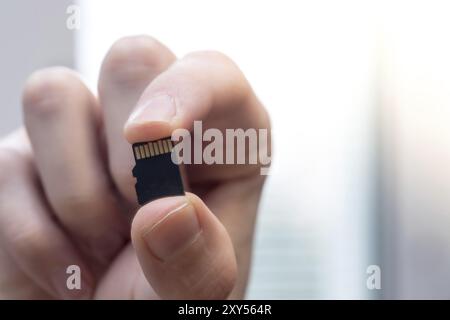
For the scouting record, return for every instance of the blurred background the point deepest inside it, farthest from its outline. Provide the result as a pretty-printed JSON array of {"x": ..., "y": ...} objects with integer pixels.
[{"x": 359, "y": 95}]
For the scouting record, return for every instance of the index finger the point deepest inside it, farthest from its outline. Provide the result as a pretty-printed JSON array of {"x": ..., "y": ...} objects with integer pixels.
[
  {"x": 207, "y": 87},
  {"x": 201, "y": 86}
]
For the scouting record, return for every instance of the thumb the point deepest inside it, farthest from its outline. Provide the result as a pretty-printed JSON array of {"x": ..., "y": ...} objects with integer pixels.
[{"x": 184, "y": 250}]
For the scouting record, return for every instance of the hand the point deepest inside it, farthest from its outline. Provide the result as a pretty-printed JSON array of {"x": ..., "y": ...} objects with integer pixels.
[{"x": 67, "y": 194}]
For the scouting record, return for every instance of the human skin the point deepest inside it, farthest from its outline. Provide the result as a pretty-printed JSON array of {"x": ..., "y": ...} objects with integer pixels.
[{"x": 67, "y": 194}]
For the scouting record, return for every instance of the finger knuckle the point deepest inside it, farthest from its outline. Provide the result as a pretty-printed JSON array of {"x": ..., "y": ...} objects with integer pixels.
[
  {"x": 217, "y": 59},
  {"x": 224, "y": 66},
  {"x": 121, "y": 173},
  {"x": 134, "y": 57},
  {"x": 6, "y": 160},
  {"x": 211, "y": 286},
  {"x": 225, "y": 283},
  {"x": 79, "y": 205},
  {"x": 214, "y": 274},
  {"x": 11, "y": 162},
  {"x": 212, "y": 55},
  {"x": 71, "y": 200},
  {"x": 31, "y": 240},
  {"x": 45, "y": 89}
]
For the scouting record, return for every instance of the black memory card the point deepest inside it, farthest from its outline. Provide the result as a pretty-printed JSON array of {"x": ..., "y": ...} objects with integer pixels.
[{"x": 156, "y": 174}]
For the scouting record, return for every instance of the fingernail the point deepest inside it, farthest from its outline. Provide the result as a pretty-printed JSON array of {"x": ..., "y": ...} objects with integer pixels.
[
  {"x": 160, "y": 108},
  {"x": 173, "y": 231}
]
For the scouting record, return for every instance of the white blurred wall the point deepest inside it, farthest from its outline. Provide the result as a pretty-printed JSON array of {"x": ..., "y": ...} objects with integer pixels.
[
  {"x": 33, "y": 35},
  {"x": 415, "y": 106}
]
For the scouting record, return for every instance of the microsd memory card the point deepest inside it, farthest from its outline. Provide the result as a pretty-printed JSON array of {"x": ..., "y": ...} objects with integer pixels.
[{"x": 156, "y": 174}]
